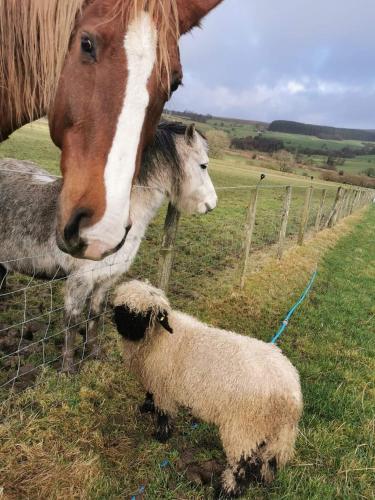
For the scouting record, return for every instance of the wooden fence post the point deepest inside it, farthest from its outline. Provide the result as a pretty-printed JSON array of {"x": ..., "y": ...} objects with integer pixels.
[
  {"x": 305, "y": 215},
  {"x": 341, "y": 208},
  {"x": 249, "y": 229},
  {"x": 167, "y": 247},
  {"x": 351, "y": 203},
  {"x": 284, "y": 221},
  {"x": 319, "y": 215},
  {"x": 355, "y": 201},
  {"x": 333, "y": 215},
  {"x": 347, "y": 203}
]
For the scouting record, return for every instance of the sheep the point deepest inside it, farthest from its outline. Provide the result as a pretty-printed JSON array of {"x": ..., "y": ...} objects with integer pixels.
[
  {"x": 244, "y": 386},
  {"x": 174, "y": 166}
]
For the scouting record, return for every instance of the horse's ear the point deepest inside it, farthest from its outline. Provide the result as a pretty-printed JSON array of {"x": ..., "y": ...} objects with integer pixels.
[
  {"x": 191, "y": 12},
  {"x": 189, "y": 133}
]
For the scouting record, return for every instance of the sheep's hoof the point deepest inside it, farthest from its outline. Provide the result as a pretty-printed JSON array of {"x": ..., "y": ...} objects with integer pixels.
[
  {"x": 163, "y": 434},
  {"x": 163, "y": 429}
]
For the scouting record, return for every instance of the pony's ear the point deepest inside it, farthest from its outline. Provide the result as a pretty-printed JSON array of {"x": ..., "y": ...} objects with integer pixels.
[
  {"x": 130, "y": 325},
  {"x": 191, "y": 12},
  {"x": 189, "y": 133},
  {"x": 164, "y": 321}
]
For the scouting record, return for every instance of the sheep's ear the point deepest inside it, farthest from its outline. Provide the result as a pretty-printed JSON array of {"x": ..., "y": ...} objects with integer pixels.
[
  {"x": 130, "y": 325},
  {"x": 164, "y": 321},
  {"x": 189, "y": 134}
]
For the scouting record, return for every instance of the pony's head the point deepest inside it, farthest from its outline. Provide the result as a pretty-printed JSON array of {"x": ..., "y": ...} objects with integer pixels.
[
  {"x": 122, "y": 66},
  {"x": 196, "y": 192},
  {"x": 176, "y": 163}
]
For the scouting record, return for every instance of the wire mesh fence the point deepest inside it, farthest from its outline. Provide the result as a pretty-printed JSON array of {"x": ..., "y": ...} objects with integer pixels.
[{"x": 189, "y": 257}]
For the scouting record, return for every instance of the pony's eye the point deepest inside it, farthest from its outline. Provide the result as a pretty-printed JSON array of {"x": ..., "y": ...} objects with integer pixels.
[
  {"x": 88, "y": 46},
  {"x": 204, "y": 166}
]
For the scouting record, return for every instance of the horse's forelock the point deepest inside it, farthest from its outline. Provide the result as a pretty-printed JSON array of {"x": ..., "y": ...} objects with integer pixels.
[
  {"x": 164, "y": 14},
  {"x": 42, "y": 28}
]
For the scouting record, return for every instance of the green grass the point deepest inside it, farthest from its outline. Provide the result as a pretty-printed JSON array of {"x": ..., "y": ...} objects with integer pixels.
[
  {"x": 33, "y": 143},
  {"x": 82, "y": 436}
]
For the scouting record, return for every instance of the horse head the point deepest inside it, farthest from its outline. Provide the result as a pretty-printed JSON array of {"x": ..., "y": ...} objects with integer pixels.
[{"x": 122, "y": 66}]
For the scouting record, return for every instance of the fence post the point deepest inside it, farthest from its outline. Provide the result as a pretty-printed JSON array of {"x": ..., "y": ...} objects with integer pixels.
[
  {"x": 352, "y": 200},
  {"x": 249, "y": 229},
  {"x": 167, "y": 247},
  {"x": 333, "y": 215},
  {"x": 341, "y": 209},
  {"x": 284, "y": 221},
  {"x": 305, "y": 215},
  {"x": 319, "y": 215},
  {"x": 355, "y": 201},
  {"x": 347, "y": 203}
]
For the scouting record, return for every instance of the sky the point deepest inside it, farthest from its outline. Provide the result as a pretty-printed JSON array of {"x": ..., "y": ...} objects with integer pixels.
[{"x": 304, "y": 60}]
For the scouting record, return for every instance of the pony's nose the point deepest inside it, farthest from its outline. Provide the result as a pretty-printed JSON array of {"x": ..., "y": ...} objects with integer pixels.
[
  {"x": 74, "y": 244},
  {"x": 209, "y": 208}
]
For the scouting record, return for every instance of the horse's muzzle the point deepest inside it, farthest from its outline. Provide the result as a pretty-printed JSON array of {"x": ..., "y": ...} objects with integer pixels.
[{"x": 79, "y": 247}]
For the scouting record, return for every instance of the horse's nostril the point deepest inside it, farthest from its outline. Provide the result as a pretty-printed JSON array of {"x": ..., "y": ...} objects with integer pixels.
[
  {"x": 71, "y": 230},
  {"x": 209, "y": 208}
]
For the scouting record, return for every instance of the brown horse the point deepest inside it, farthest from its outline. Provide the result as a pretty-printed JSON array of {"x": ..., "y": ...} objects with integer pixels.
[{"x": 103, "y": 70}]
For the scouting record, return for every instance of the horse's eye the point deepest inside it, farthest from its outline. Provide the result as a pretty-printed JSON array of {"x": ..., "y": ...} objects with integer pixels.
[
  {"x": 88, "y": 46},
  {"x": 204, "y": 166}
]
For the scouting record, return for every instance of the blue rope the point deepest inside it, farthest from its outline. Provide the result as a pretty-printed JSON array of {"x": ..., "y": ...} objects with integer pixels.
[{"x": 292, "y": 311}]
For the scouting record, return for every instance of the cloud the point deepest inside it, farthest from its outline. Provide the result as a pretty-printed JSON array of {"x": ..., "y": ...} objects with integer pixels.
[{"x": 268, "y": 60}]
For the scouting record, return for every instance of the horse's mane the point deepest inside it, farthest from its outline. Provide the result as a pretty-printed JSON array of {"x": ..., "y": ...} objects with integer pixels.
[
  {"x": 162, "y": 153},
  {"x": 34, "y": 40}
]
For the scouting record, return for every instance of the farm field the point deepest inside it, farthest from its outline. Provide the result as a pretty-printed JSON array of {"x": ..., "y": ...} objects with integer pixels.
[{"x": 81, "y": 436}]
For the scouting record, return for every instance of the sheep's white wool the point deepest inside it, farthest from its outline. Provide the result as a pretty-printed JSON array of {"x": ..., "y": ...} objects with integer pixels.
[{"x": 247, "y": 387}]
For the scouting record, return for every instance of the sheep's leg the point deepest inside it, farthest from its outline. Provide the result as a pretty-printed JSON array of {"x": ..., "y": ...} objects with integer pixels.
[
  {"x": 163, "y": 429},
  {"x": 76, "y": 293},
  {"x": 97, "y": 306},
  {"x": 148, "y": 406},
  {"x": 238, "y": 475}
]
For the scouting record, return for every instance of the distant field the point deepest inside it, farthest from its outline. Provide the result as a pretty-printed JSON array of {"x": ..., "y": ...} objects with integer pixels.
[
  {"x": 308, "y": 141},
  {"x": 293, "y": 143},
  {"x": 352, "y": 165}
]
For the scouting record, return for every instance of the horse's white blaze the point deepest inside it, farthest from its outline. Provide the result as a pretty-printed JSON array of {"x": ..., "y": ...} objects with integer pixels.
[{"x": 140, "y": 46}]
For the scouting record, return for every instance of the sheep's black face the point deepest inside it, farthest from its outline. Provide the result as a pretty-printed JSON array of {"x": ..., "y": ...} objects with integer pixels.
[
  {"x": 130, "y": 325},
  {"x": 133, "y": 326}
]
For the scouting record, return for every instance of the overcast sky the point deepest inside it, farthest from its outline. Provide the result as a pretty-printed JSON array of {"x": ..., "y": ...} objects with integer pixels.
[{"x": 304, "y": 60}]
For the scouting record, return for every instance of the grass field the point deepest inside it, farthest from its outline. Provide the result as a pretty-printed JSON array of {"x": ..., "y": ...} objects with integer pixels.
[{"x": 81, "y": 437}]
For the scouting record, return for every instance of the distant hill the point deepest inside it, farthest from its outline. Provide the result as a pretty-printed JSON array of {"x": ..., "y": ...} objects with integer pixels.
[
  {"x": 192, "y": 115},
  {"x": 322, "y": 132}
]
